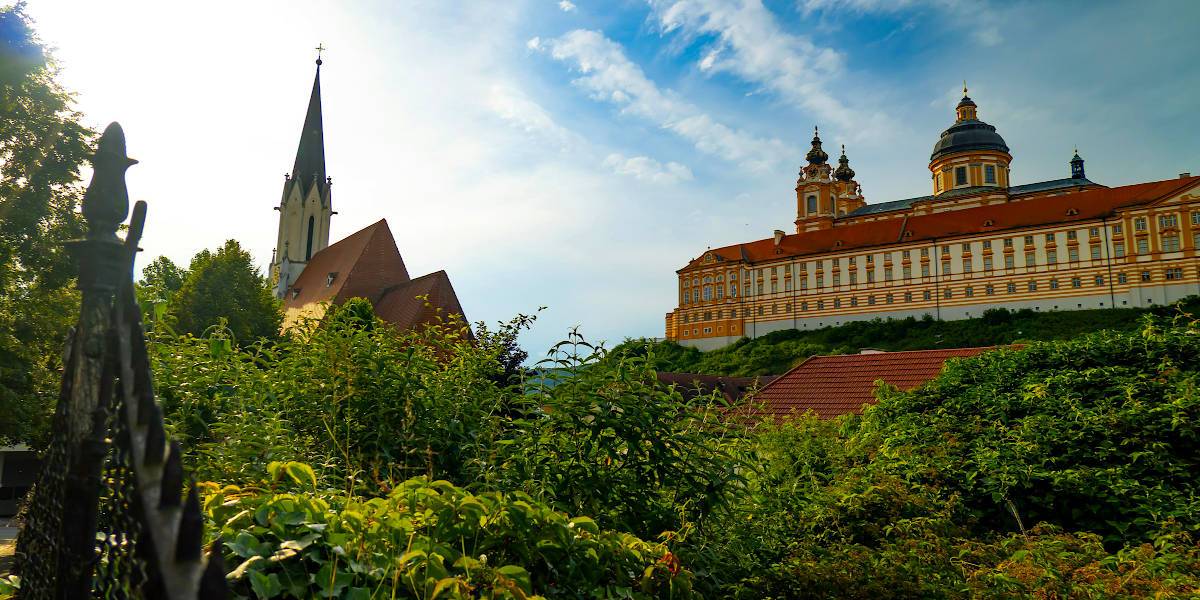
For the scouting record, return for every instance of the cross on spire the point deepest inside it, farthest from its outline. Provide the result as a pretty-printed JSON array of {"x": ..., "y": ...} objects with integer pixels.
[{"x": 320, "y": 48}]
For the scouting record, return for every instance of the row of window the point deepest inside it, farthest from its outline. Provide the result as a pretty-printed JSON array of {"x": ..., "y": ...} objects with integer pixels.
[
  {"x": 1169, "y": 243},
  {"x": 1169, "y": 274}
]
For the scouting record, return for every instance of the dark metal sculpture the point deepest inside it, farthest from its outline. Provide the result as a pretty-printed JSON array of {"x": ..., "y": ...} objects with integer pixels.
[{"x": 108, "y": 517}]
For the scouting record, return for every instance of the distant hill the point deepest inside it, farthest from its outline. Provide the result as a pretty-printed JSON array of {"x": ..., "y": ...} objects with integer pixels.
[{"x": 777, "y": 352}]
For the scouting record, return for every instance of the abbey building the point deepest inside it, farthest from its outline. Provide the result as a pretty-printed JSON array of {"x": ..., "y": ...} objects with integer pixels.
[
  {"x": 308, "y": 273},
  {"x": 974, "y": 243}
]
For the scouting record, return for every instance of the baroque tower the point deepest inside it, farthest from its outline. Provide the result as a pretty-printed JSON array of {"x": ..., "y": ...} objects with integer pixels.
[
  {"x": 824, "y": 193},
  {"x": 305, "y": 208}
]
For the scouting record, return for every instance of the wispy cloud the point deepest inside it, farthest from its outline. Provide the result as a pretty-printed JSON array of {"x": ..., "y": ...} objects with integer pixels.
[
  {"x": 751, "y": 44},
  {"x": 645, "y": 168},
  {"x": 514, "y": 107},
  {"x": 566, "y": 5},
  {"x": 974, "y": 15},
  {"x": 610, "y": 76}
]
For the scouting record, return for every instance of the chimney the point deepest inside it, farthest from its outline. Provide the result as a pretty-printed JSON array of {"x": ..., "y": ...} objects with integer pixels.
[
  {"x": 778, "y": 237},
  {"x": 1184, "y": 175}
]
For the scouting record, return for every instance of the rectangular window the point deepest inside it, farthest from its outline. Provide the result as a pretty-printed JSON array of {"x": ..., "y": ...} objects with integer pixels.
[
  {"x": 1122, "y": 278},
  {"x": 1139, "y": 224},
  {"x": 987, "y": 263},
  {"x": 908, "y": 297},
  {"x": 1054, "y": 284},
  {"x": 1073, "y": 254},
  {"x": 924, "y": 252},
  {"x": 927, "y": 295},
  {"x": 906, "y": 271},
  {"x": 1010, "y": 261},
  {"x": 804, "y": 283},
  {"x": 1071, "y": 235},
  {"x": 1094, "y": 232},
  {"x": 1051, "y": 257},
  {"x": 820, "y": 305},
  {"x": 1050, "y": 238},
  {"x": 945, "y": 249},
  {"x": 1196, "y": 218},
  {"x": 854, "y": 301},
  {"x": 1119, "y": 249},
  {"x": 990, "y": 290},
  {"x": 1168, "y": 221},
  {"x": 1196, "y": 239},
  {"x": 1099, "y": 280},
  {"x": 887, "y": 274},
  {"x": 960, "y": 176},
  {"x": 1116, "y": 229},
  {"x": 925, "y": 270},
  {"x": 1174, "y": 274},
  {"x": 837, "y": 279},
  {"x": 1033, "y": 286},
  {"x": 889, "y": 299},
  {"x": 1143, "y": 246},
  {"x": 1146, "y": 276},
  {"x": 1170, "y": 242},
  {"x": 820, "y": 281},
  {"x": 871, "y": 276},
  {"x": 720, "y": 292},
  {"x": 812, "y": 204},
  {"x": 853, "y": 278},
  {"x": 989, "y": 174},
  {"x": 1012, "y": 288},
  {"x": 966, "y": 248},
  {"x": 837, "y": 302},
  {"x": 1095, "y": 252},
  {"x": 1030, "y": 259},
  {"x": 871, "y": 300},
  {"x": 947, "y": 293},
  {"x": 970, "y": 292},
  {"x": 967, "y": 268},
  {"x": 1008, "y": 243},
  {"x": 945, "y": 267},
  {"x": 1029, "y": 240},
  {"x": 1076, "y": 282}
]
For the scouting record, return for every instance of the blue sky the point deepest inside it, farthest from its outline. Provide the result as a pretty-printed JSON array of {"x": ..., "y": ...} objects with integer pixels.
[{"x": 573, "y": 154}]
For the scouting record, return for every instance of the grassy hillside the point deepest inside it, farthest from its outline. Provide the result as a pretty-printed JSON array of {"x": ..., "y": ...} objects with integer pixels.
[{"x": 777, "y": 352}]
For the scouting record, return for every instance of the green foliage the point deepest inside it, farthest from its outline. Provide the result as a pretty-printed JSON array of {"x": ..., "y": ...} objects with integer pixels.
[
  {"x": 222, "y": 288},
  {"x": 42, "y": 146},
  {"x": 605, "y": 438},
  {"x": 779, "y": 351},
  {"x": 425, "y": 539}
]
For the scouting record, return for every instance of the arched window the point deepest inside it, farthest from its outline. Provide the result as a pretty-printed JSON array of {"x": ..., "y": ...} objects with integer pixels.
[
  {"x": 812, "y": 204},
  {"x": 308, "y": 249}
]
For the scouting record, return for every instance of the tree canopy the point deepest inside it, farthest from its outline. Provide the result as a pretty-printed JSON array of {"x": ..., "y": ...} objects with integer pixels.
[
  {"x": 43, "y": 144},
  {"x": 221, "y": 287}
]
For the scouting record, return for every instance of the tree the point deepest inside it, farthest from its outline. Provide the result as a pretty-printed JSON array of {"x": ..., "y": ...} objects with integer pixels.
[
  {"x": 42, "y": 146},
  {"x": 225, "y": 285}
]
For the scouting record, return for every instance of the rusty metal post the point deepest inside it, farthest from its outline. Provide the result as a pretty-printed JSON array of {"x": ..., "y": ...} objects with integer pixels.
[{"x": 103, "y": 263}]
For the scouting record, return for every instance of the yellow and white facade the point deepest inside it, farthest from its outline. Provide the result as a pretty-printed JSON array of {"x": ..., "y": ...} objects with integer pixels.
[{"x": 976, "y": 242}]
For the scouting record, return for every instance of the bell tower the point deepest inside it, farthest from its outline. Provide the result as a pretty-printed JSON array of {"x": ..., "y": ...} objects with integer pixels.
[{"x": 305, "y": 208}]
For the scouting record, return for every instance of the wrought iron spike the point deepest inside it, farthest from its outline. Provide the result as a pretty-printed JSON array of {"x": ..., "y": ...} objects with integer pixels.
[
  {"x": 212, "y": 582},
  {"x": 172, "y": 477},
  {"x": 106, "y": 201},
  {"x": 190, "y": 539},
  {"x": 156, "y": 437}
]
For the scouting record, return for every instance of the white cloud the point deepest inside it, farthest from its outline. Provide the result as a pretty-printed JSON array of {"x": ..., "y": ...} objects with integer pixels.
[
  {"x": 971, "y": 15},
  {"x": 534, "y": 43},
  {"x": 611, "y": 77},
  {"x": 513, "y": 106},
  {"x": 566, "y": 5},
  {"x": 751, "y": 44},
  {"x": 645, "y": 168}
]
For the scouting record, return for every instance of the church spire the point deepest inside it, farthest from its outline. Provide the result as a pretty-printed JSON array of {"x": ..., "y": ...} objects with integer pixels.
[{"x": 310, "y": 155}]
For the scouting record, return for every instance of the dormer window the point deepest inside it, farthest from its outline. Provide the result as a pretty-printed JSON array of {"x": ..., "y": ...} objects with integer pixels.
[
  {"x": 1072, "y": 212},
  {"x": 295, "y": 293},
  {"x": 908, "y": 234},
  {"x": 330, "y": 278},
  {"x": 988, "y": 223}
]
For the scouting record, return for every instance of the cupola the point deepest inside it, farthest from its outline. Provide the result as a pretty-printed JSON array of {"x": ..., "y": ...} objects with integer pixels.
[
  {"x": 970, "y": 153},
  {"x": 816, "y": 155},
  {"x": 843, "y": 172},
  {"x": 1077, "y": 166}
]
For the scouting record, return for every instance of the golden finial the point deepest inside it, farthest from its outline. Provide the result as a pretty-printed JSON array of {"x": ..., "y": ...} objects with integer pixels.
[{"x": 964, "y": 88}]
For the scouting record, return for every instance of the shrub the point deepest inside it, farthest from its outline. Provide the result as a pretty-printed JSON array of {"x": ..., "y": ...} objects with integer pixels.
[{"x": 425, "y": 539}]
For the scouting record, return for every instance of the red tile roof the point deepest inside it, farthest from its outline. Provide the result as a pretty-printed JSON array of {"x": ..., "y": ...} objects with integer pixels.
[
  {"x": 835, "y": 385},
  {"x": 368, "y": 265},
  {"x": 1086, "y": 205}
]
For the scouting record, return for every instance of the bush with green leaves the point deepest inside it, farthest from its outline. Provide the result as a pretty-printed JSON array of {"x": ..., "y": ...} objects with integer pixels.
[
  {"x": 286, "y": 537},
  {"x": 605, "y": 438}
]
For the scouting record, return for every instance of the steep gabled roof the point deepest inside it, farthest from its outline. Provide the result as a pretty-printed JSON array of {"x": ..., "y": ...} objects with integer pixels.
[
  {"x": 418, "y": 301},
  {"x": 1085, "y": 205},
  {"x": 835, "y": 385},
  {"x": 361, "y": 265},
  {"x": 694, "y": 385}
]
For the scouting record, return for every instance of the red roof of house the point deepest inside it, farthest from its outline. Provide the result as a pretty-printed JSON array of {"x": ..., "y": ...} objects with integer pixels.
[
  {"x": 368, "y": 265},
  {"x": 694, "y": 385},
  {"x": 835, "y": 385},
  {"x": 1063, "y": 208}
]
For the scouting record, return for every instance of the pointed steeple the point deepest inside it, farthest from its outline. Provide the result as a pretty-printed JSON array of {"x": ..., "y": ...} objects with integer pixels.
[
  {"x": 310, "y": 155},
  {"x": 816, "y": 155},
  {"x": 843, "y": 172}
]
